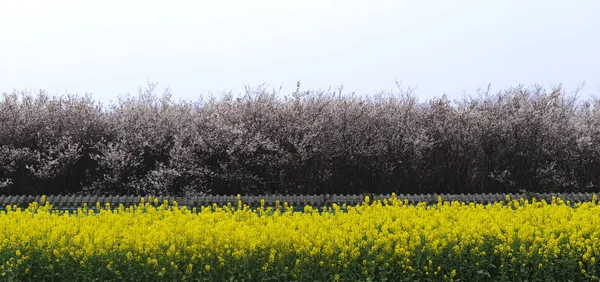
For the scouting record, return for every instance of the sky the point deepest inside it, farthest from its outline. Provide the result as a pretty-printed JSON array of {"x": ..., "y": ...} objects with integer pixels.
[{"x": 109, "y": 48}]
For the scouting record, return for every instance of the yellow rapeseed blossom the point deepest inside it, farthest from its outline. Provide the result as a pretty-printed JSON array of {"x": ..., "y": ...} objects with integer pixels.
[{"x": 341, "y": 242}]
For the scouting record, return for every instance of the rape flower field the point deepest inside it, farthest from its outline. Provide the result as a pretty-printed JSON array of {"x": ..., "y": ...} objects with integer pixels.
[{"x": 389, "y": 240}]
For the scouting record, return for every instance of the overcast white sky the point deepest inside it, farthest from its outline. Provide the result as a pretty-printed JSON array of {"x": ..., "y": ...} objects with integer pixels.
[{"x": 108, "y": 48}]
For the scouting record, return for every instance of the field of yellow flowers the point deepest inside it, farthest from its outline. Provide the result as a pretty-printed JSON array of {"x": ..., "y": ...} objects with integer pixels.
[{"x": 388, "y": 240}]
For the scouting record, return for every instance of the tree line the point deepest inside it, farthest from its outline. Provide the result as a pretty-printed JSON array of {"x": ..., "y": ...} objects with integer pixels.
[{"x": 307, "y": 142}]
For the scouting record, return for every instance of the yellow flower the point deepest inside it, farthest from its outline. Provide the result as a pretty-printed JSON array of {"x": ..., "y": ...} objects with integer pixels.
[
  {"x": 189, "y": 268},
  {"x": 372, "y": 234}
]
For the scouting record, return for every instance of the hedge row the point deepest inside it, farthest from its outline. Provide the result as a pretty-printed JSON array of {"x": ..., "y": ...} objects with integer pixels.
[{"x": 310, "y": 142}]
